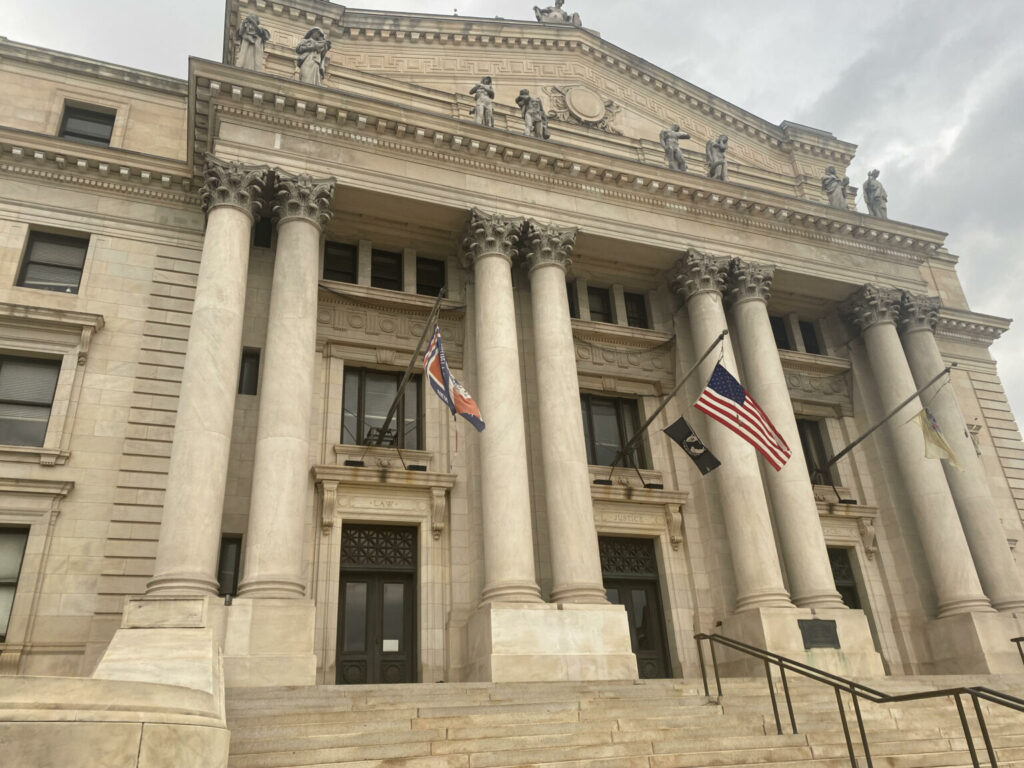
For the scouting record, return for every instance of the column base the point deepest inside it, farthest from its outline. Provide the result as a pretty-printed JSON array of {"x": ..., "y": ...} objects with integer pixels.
[
  {"x": 513, "y": 592},
  {"x": 777, "y": 630},
  {"x": 182, "y": 585},
  {"x": 269, "y": 642},
  {"x": 270, "y": 588},
  {"x": 529, "y": 642},
  {"x": 974, "y": 643}
]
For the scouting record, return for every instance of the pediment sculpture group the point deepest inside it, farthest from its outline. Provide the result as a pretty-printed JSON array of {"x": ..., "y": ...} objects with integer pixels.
[{"x": 311, "y": 64}]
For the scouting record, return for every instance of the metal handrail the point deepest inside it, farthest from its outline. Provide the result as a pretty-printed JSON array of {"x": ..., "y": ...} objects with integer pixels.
[
  {"x": 1020, "y": 649},
  {"x": 856, "y": 692}
]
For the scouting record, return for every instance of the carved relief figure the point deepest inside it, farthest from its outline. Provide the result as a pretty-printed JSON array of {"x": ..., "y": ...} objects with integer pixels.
[
  {"x": 483, "y": 112},
  {"x": 533, "y": 115},
  {"x": 835, "y": 188},
  {"x": 715, "y": 149},
  {"x": 251, "y": 37},
  {"x": 554, "y": 14},
  {"x": 312, "y": 56},
  {"x": 669, "y": 139},
  {"x": 875, "y": 197}
]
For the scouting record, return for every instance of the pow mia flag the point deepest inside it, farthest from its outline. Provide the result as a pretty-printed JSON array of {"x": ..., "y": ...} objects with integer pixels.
[{"x": 684, "y": 436}]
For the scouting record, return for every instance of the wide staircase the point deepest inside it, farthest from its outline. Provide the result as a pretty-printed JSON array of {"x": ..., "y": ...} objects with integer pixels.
[{"x": 645, "y": 724}]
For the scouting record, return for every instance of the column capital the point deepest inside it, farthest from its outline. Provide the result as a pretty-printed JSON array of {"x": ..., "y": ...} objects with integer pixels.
[
  {"x": 229, "y": 182},
  {"x": 488, "y": 233},
  {"x": 919, "y": 313},
  {"x": 548, "y": 244},
  {"x": 302, "y": 196},
  {"x": 872, "y": 304},
  {"x": 698, "y": 272},
  {"x": 749, "y": 280}
]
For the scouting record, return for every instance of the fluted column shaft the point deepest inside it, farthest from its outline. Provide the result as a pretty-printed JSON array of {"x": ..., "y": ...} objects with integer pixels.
[
  {"x": 277, "y": 513},
  {"x": 575, "y": 559},
  {"x": 971, "y": 494},
  {"x": 957, "y": 588},
  {"x": 811, "y": 584},
  {"x": 189, "y": 545},
  {"x": 699, "y": 279},
  {"x": 509, "y": 574}
]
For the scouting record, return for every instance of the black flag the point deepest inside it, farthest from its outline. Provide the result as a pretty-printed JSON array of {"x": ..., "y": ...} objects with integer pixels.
[{"x": 687, "y": 439}]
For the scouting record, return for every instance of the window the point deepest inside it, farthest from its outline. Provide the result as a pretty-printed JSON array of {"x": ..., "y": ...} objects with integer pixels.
[
  {"x": 263, "y": 232},
  {"x": 813, "y": 442},
  {"x": 429, "y": 276},
  {"x": 91, "y": 126},
  {"x": 12, "y": 551},
  {"x": 386, "y": 270},
  {"x": 842, "y": 574},
  {"x": 27, "y": 386},
  {"x": 366, "y": 400},
  {"x": 574, "y": 302},
  {"x": 249, "y": 372},
  {"x": 809, "y": 334},
  {"x": 636, "y": 310},
  {"x": 600, "y": 301},
  {"x": 53, "y": 262},
  {"x": 779, "y": 331},
  {"x": 228, "y": 565},
  {"x": 341, "y": 262},
  {"x": 608, "y": 423}
]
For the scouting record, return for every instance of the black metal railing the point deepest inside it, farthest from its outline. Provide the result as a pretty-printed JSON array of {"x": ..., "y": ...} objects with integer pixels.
[
  {"x": 856, "y": 692},
  {"x": 1020, "y": 649}
]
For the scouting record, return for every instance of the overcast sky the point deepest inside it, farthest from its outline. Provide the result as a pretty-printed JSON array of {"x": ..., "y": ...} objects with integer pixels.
[{"x": 932, "y": 92}]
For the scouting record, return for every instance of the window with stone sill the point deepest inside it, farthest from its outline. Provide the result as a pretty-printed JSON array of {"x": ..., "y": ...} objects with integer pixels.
[
  {"x": 797, "y": 335},
  {"x": 430, "y": 276},
  {"x": 814, "y": 441},
  {"x": 386, "y": 270},
  {"x": 88, "y": 124},
  {"x": 53, "y": 262},
  {"x": 608, "y": 424},
  {"x": 341, "y": 262},
  {"x": 12, "y": 552},
  {"x": 366, "y": 399}
]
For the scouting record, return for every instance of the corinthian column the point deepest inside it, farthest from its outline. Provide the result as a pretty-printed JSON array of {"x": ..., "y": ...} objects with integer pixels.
[
  {"x": 796, "y": 511},
  {"x": 971, "y": 494},
  {"x": 699, "y": 279},
  {"x": 575, "y": 559},
  {"x": 277, "y": 515},
  {"x": 186, "y": 557},
  {"x": 875, "y": 310},
  {"x": 490, "y": 243}
]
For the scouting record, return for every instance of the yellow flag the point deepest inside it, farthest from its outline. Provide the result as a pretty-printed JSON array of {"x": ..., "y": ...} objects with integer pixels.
[{"x": 935, "y": 444}]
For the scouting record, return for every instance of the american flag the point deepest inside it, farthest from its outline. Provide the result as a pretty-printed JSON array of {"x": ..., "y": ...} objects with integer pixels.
[
  {"x": 446, "y": 387},
  {"x": 726, "y": 401}
]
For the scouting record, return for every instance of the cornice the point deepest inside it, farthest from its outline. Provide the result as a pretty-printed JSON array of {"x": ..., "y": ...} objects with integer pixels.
[
  {"x": 820, "y": 365},
  {"x": 387, "y": 301},
  {"x": 619, "y": 335},
  {"x": 58, "y": 318},
  {"x": 971, "y": 327}
]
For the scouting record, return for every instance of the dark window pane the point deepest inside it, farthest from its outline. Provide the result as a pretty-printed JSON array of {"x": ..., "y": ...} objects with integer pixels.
[
  {"x": 12, "y": 552},
  {"x": 429, "y": 276},
  {"x": 392, "y": 619},
  {"x": 641, "y": 619},
  {"x": 600, "y": 301},
  {"x": 249, "y": 373},
  {"x": 411, "y": 414},
  {"x": 378, "y": 393},
  {"x": 229, "y": 563},
  {"x": 263, "y": 232},
  {"x": 606, "y": 432},
  {"x": 779, "y": 330},
  {"x": 87, "y": 125},
  {"x": 355, "y": 617},
  {"x": 608, "y": 423},
  {"x": 53, "y": 262},
  {"x": 386, "y": 270},
  {"x": 350, "y": 407},
  {"x": 612, "y": 594},
  {"x": 842, "y": 574},
  {"x": 366, "y": 399},
  {"x": 574, "y": 304},
  {"x": 340, "y": 262},
  {"x": 636, "y": 310},
  {"x": 27, "y": 387},
  {"x": 810, "y": 337},
  {"x": 813, "y": 442}
]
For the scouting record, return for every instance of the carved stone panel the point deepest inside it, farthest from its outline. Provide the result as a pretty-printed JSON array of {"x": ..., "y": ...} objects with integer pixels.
[{"x": 582, "y": 105}]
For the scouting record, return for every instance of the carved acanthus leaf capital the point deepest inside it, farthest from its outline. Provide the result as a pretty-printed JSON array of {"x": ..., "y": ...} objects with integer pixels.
[
  {"x": 749, "y": 280},
  {"x": 871, "y": 305},
  {"x": 919, "y": 313},
  {"x": 548, "y": 244},
  {"x": 232, "y": 183},
  {"x": 303, "y": 196},
  {"x": 698, "y": 272},
  {"x": 490, "y": 233}
]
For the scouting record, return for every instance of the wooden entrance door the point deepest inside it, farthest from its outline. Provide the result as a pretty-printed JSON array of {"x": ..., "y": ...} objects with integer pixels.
[{"x": 377, "y": 605}]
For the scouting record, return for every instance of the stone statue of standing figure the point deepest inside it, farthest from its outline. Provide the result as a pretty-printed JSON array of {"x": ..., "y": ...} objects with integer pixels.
[
  {"x": 312, "y": 56},
  {"x": 715, "y": 150},
  {"x": 483, "y": 112},
  {"x": 835, "y": 188},
  {"x": 875, "y": 197},
  {"x": 251, "y": 37},
  {"x": 533, "y": 115},
  {"x": 669, "y": 139},
  {"x": 554, "y": 14}
]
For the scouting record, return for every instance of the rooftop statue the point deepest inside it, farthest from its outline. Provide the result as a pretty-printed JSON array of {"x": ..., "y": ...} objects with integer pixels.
[
  {"x": 251, "y": 37},
  {"x": 875, "y": 197},
  {"x": 312, "y": 56},
  {"x": 669, "y": 139},
  {"x": 717, "y": 165},
  {"x": 554, "y": 14},
  {"x": 533, "y": 115},
  {"x": 835, "y": 188},
  {"x": 483, "y": 112}
]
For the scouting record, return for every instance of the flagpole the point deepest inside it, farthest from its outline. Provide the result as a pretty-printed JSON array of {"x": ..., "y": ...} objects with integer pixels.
[
  {"x": 637, "y": 435},
  {"x": 427, "y": 328},
  {"x": 896, "y": 410}
]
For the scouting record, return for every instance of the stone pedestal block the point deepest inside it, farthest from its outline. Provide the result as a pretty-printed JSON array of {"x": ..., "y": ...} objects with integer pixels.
[
  {"x": 974, "y": 643},
  {"x": 269, "y": 641},
  {"x": 777, "y": 630},
  {"x": 523, "y": 642}
]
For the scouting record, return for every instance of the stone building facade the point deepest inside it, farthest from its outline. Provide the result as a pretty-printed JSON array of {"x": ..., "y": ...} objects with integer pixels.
[{"x": 210, "y": 288}]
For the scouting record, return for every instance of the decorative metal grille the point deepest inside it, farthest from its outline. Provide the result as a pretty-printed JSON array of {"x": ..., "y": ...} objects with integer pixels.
[
  {"x": 628, "y": 557},
  {"x": 378, "y": 546}
]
